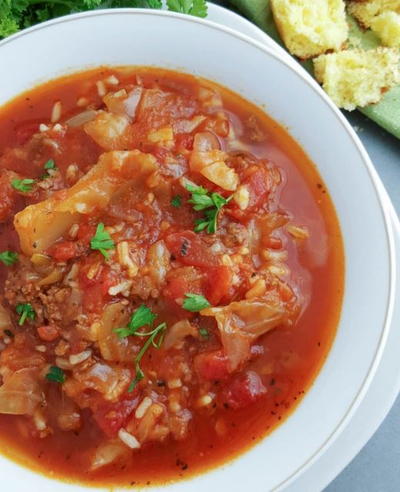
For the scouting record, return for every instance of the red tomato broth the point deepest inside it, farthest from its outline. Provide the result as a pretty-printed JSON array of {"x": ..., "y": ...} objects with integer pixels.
[{"x": 292, "y": 355}]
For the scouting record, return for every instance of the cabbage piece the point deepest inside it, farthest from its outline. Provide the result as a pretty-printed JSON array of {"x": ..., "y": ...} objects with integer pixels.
[
  {"x": 241, "y": 323},
  {"x": 108, "y": 453},
  {"x": 177, "y": 333},
  {"x": 21, "y": 393},
  {"x": 110, "y": 131},
  {"x": 110, "y": 381},
  {"x": 40, "y": 225},
  {"x": 111, "y": 346}
]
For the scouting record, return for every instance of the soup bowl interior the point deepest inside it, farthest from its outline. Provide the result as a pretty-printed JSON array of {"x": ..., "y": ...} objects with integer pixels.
[{"x": 202, "y": 48}]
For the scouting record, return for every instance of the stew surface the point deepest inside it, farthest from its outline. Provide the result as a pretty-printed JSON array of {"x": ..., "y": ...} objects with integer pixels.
[{"x": 171, "y": 276}]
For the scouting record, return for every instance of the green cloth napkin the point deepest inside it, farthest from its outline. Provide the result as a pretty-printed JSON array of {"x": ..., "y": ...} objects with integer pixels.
[{"x": 386, "y": 113}]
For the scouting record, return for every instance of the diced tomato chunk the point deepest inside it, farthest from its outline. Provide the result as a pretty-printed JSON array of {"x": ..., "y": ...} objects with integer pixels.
[
  {"x": 244, "y": 390},
  {"x": 258, "y": 185},
  {"x": 218, "y": 284},
  {"x": 64, "y": 251},
  {"x": 188, "y": 248},
  {"x": 48, "y": 333},
  {"x": 85, "y": 233},
  {"x": 177, "y": 288},
  {"x": 110, "y": 417},
  {"x": 212, "y": 365},
  {"x": 95, "y": 289}
]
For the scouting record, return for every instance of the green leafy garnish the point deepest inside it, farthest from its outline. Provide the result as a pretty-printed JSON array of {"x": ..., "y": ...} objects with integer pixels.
[
  {"x": 26, "y": 311},
  {"x": 192, "y": 7},
  {"x": 156, "y": 338},
  {"x": 18, "y": 14},
  {"x": 195, "y": 303},
  {"x": 102, "y": 240},
  {"x": 56, "y": 375},
  {"x": 24, "y": 185},
  {"x": 141, "y": 317},
  {"x": 204, "y": 333},
  {"x": 8, "y": 257},
  {"x": 176, "y": 201},
  {"x": 50, "y": 164},
  {"x": 210, "y": 203}
]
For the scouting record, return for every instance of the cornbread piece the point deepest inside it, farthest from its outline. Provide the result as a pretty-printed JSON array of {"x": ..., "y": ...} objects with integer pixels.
[
  {"x": 357, "y": 78},
  {"x": 382, "y": 16},
  {"x": 311, "y": 27},
  {"x": 387, "y": 27},
  {"x": 366, "y": 11}
]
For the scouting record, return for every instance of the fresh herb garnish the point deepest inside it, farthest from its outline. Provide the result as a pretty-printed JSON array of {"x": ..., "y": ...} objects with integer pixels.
[
  {"x": 56, "y": 375},
  {"x": 156, "y": 338},
  {"x": 191, "y": 7},
  {"x": 16, "y": 15},
  {"x": 26, "y": 311},
  {"x": 176, "y": 201},
  {"x": 102, "y": 240},
  {"x": 204, "y": 333},
  {"x": 195, "y": 303},
  {"x": 9, "y": 333},
  {"x": 141, "y": 317},
  {"x": 50, "y": 164},
  {"x": 210, "y": 203},
  {"x": 8, "y": 257},
  {"x": 23, "y": 185}
]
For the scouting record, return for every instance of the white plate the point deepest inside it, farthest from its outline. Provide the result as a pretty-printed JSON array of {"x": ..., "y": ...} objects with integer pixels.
[
  {"x": 289, "y": 96},
  {"x": 386, "y": 384}
]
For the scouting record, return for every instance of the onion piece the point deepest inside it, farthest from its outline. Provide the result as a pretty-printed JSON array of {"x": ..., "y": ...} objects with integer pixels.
[
  {"x": 206, "y": 141},
  {"x": 81, "y": 118},
  {"x": 108, "y": 453},
  {"x": 133, "y": 100},
  {"x": 178, "y": 332},
  {"x": 21, "y": 393}
]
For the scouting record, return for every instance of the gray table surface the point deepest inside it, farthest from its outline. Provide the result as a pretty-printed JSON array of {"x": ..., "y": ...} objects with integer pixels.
[{"x": 377, "y": 467}]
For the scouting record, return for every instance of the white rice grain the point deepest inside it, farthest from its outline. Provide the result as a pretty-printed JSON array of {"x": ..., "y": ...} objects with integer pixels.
[
  {"x": 128, "y": 439},
  {"x": 56, "y": 112},
  {"x": 143, "y": 407}
]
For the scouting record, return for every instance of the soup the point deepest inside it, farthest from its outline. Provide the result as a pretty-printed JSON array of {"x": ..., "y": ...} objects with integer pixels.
[{"x": 172, "y": 276}]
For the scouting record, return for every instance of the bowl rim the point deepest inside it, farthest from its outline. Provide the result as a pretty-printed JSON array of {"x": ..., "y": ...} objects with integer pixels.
[{"x": 366, "y": 160}]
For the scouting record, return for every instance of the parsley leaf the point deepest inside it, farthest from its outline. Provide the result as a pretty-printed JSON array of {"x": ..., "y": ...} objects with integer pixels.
[
  {"x": 156, "y": 338},
  {"x": 26, "y": 311},
  {"x": 192, "y": 7},
  {"x": 56, "y": 375},
  {"x": 8, "y": 257},
  {"x": 195, "y": 303},
  {"x": 141, "y": 317},
  {"x": 50, "y": 164},
  {"x": 211, "y": 203},
  {"x": 176, "y": 201},
  {"x": 102, "y": 240},
  {"x": 23, "y": 185}
]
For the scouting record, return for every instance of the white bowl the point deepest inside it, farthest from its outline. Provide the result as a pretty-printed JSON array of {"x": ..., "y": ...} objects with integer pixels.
[{"x": 144, "y": 37}]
